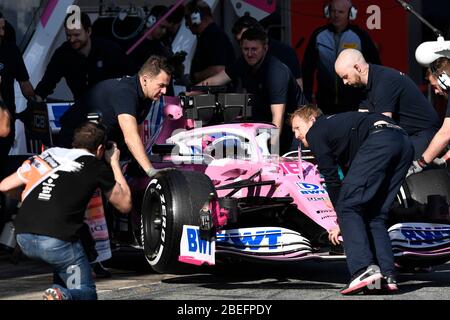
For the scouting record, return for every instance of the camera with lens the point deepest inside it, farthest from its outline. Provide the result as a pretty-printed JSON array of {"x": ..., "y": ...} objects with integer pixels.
[{"x": 109, "y": 145}]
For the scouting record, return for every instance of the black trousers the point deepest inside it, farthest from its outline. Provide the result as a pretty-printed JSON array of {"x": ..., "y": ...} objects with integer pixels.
[{"x": 368, "y": 191}]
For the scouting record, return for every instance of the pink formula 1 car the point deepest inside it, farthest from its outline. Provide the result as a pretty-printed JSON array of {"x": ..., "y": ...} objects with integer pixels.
[{"x": 225, "y": 196}]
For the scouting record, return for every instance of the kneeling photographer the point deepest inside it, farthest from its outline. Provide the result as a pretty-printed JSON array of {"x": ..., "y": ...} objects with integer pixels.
[{"x": 59, "y": 184}]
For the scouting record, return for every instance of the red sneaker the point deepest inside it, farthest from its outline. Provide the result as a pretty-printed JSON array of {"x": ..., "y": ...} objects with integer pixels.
[{"x": 53, "y": 294}]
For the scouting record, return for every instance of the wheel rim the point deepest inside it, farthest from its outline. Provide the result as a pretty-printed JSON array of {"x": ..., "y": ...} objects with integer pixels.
[{"x": 153, "y": 225}]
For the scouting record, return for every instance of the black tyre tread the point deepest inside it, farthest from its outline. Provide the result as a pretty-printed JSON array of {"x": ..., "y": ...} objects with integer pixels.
[
  {"x": 428, "y": 182},
  {"x": 198, "y": 198},
  {"x": 170, "y": 180},
  {"x": 188, "y": 192}
]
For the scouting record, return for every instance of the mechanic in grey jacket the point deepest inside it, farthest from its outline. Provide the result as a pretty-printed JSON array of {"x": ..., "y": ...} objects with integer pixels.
[{"x": 324, "y": 46}]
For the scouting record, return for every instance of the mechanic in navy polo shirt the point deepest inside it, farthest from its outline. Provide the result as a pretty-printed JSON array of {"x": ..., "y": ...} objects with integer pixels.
[
  {"x": 375, "y": 155},
  {"x": 123, "y": 104},
  {"x": 83, "y": 61},
  {"x": 5, "y": 118},
  {"x": 268, "y": 79},
  {"x": 152, "y": 44},
  {"x": 214, "y": 50},
  {"x": 281, "y": 51},
  {"x": 12, "y": 67},
  {"x": 441, "y": 70},
  {"x": 392, "y": 93},
  {"x": 5, "y": 128}
]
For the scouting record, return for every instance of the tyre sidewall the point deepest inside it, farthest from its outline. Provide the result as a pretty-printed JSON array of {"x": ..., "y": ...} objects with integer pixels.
[{"x": 175, "y": 209}]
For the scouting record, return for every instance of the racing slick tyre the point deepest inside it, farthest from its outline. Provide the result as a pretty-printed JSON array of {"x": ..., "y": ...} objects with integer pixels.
[
  {"x": 423, "y": 197},
  {"x": 173, "y": 198}
]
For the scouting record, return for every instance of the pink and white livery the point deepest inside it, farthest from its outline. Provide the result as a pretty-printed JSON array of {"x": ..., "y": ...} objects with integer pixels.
[{"x": 226, "y": 196}]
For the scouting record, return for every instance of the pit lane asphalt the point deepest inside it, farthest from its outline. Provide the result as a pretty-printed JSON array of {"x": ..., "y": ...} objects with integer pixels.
[{"x": 133, "y": 280}]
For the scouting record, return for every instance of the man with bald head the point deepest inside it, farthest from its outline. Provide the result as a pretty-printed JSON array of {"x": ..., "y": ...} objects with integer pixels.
[
  {"x": 391, "y": 93},
  {"x": 324, "y": 46}
]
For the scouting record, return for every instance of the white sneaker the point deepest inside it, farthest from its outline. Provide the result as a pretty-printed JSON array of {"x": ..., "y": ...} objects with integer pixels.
[{"x": 363, "y": 279}]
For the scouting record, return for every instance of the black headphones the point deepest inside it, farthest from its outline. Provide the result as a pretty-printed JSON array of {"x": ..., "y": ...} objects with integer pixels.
[
  {"x": 442, "y": 77},
  {"x": 150, "y": 21},
  {"x": 352, "y": 12},
  {"x": 444, "y": 81},
  {"x": 195, "y": 16},
  {"x": 156, "y": 13}
]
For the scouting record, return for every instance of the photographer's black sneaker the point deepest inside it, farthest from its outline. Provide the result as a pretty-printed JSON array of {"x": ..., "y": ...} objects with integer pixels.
[
  {"x": 368, "y": 278},
  {"x": 389, "y": 283}
]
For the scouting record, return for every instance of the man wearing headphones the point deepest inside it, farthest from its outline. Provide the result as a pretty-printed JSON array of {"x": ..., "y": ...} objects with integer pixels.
[
  {"x": 435, "y": 84},
  {"x": 214, "y": 50},
  {"x": 152, "y": 44},
  {"x": 441, "y": 70},
  {"x": 324, "y": 46},
  {"x": 174, "y": 20},
  {"x": 83, "y": 61}
]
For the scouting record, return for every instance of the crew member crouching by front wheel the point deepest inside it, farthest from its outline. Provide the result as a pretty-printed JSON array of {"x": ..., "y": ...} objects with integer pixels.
[{"x": 375, "y": 155}]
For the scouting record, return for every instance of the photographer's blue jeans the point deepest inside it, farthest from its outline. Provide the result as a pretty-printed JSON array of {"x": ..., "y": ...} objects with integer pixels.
[{"x": 69, "y": 261}]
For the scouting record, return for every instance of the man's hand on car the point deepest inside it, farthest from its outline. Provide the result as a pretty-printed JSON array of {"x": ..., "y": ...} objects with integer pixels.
[
  {"x": 417, "y": 166},
  {"x": 151, "y": 172},
  {"x": 439, "y": 163},
  {"x": 414, "y": 168},
  {"x": 333, "y": 236}
]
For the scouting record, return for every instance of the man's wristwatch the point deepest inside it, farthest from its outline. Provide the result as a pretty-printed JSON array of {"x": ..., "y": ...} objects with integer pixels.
[
  {"x": 422, "y": 162},
  {"x": 151, "y": 172}
]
